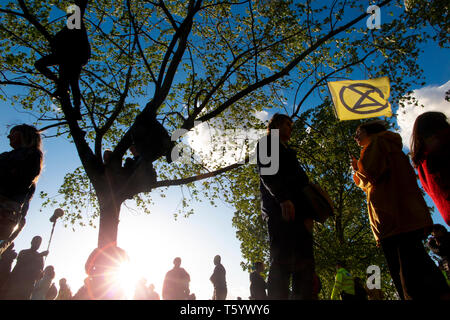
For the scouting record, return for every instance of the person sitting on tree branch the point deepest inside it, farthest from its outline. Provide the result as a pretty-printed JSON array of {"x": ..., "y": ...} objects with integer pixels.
[{"x": 70, "y": 51}]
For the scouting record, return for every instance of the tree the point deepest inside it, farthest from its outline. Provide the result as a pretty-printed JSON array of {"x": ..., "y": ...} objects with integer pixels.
[
  {"x": 161, "y": 68},
  {"x": 435, "y": 13}
]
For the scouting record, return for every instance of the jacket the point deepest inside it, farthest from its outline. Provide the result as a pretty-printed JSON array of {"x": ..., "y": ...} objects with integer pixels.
[
  {"x": 343, "y": 283},
  {"x": 394, "y": 200}
]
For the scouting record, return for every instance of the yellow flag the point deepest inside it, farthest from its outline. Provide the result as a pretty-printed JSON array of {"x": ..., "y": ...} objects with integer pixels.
[{"x": 360, "y": 99}]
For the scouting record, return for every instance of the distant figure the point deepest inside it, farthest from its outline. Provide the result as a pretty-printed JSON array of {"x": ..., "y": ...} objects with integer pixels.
[
  {"x": 19, "y": 173},
  {"x": 43, "y": 285},
  {"x": 439, "y": 244},
  {"x": 6, "y": 260},
  {"x": 430, "y": 154},
  {"x": 344, "y": 286},
  {"x": 64, "y": 292},
  {"x": 51, "y": 293},
  {"x": 399, "y": 216},
  {"x": 70, "y": 51},
  {"x": 192, "y": 297},
  {"x": 258, "y": 285},
  {"x": 218, "y": 279},
  {"x": 360, "y": 289},
  {"x": 141, "y": 291},
  {"x": 176, "y": 283},
  {"x": 26, "y": 272},
  {"x": 152, "y": 294},
  {"x": 287, "y": 213},
  {"x": 83, "y": 293}
]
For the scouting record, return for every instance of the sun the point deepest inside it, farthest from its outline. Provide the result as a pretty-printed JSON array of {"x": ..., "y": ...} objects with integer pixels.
[{"x": 127, "y": 277}]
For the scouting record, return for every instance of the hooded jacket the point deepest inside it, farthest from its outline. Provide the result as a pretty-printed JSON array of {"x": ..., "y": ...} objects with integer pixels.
[{"x": 394, "y": 200}]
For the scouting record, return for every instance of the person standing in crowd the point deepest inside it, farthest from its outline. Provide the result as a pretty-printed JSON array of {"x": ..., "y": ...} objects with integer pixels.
[
  {"x": 152, "y": 294},
  {"x": 83, "y": 291},
  {"x": 439, "y": 244},
  {"x": 64, "y": 292},
  {"x": 43, "y": 285},
  {"x": 176, "y": 282},
  {"x": 258, "y": 285},
  {"x": 430, "y": 154},
  {"x": 344, "y": 285},
  {"x": 398, "y": 214},
  {"x": 360, "y": 289},
  {"x": 26, "y": 272},
  {"x": 287, "y": 213},
  {"x": 19, "y": 173},
  {"x": 218, "y": 279},
  {"x": 141, "y": 291},
  {"x": 52, "y": 292},
  {"x": 6, "y": 260},
  {"x": 317, "y": 287}
]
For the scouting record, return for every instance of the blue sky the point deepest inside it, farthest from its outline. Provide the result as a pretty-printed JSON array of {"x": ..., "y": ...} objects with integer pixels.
[{"x": 153, "y": 241}]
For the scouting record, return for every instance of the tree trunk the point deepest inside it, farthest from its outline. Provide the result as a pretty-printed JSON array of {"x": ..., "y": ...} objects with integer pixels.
[{"x": 109, "y": 202}]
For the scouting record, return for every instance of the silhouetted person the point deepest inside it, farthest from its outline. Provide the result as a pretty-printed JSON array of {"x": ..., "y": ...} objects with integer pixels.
[
  {"x": 70, "y": 51},
  {"x": 258, "y": 285},
  {"x": 398, "y": 214},
  {"x": 26, "y": 272},
  {"x": 43, "y": 285},
  {"x": 287, "y": 213},
  {"x": 317, "y": 287},
  {"x": 19, "y": 173},
  {"x": 176, "y": 283},
  {"x": 152, "y": 294},
  {"x": 439, "y": 244},
  {"x": 64, "y": 292},
  {"x": 6, "y": 260},
  {"x": 51, "y": 293},
  {"x": 218, "y": 279},
  {"x": 83, "y": 293},
  {"x": 430, "y": 154},
  {"x": 150, "y": 138},
  {"x": 141, "y": 291},
  {"x": 360, "y": 290}
]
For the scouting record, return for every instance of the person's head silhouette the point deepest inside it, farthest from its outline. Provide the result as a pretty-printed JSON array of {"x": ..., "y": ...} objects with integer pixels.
[
  {"x": 36, "y": 243},
  {"x": 177, "y": 262}
]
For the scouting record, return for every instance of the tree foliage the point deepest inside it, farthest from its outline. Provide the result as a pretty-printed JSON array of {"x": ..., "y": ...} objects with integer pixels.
[{"x": 213, "y": 62}]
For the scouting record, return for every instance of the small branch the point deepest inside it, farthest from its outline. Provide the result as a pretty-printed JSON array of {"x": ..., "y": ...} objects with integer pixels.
[
  {"x": 53, "y": 125},
  {"x": 177, "y": 182}
]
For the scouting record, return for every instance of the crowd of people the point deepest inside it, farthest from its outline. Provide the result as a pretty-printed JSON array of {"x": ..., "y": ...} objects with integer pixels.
[{"x": 399, "y": 217}]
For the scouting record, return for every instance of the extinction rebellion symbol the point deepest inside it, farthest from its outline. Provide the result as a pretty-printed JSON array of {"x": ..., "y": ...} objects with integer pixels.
[{"x": 367, "y": 102}]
